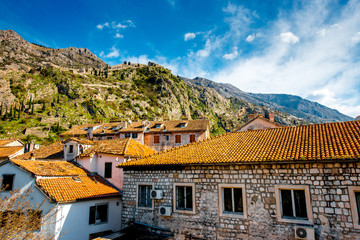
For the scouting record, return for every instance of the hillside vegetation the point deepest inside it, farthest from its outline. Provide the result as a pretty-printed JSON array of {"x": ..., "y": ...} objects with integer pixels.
[{"x": 55, "y": 100}]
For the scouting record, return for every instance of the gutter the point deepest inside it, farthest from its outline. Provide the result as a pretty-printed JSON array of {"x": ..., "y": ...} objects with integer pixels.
[{"x": 171, "y": 166}]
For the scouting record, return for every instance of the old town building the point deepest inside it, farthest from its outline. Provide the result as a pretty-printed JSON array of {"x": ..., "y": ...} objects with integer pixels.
[
  {"x": 282, "y": 183},
  {"x": 158, "y": 135}
]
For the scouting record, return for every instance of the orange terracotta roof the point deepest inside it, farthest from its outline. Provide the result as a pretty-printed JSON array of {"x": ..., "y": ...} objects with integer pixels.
[
  {"x": 68, "y": 189},
  {"x": 6, "y": 152},
  {"x": 7, "y": 141},
  {"x": 52, "y": 151},
  {"x": 118, "y": 127},
  {"x": 81, "y": 141},
  {"x": 50, "y": 168},
  {"x": 119, "y": 146},
  {"x": 316, "y": 142}
]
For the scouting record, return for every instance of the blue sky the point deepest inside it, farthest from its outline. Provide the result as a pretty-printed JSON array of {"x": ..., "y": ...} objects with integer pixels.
[{"x": 306, "y": 48}]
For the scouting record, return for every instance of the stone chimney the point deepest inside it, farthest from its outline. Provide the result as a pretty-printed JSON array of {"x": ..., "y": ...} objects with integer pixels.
[
  {"x": 271, "y": 116},
  {"x": 251, "y": 117}
]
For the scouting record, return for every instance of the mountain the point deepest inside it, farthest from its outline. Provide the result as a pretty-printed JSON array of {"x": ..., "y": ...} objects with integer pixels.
[
  {"x": 16, "y": 53},
  {"x": 309, "y": 111},
  {"x": 43, "y": 92}
]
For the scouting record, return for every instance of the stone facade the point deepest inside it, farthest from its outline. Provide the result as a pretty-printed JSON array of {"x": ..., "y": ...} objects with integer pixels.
[{"x": 328, "y": 184}]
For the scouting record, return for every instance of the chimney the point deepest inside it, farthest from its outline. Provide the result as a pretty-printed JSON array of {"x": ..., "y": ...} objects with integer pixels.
[
  {"x": 251, "y": 117},
  {"x": 271, "y": 116},
  {"x": 32, "y": 156}
]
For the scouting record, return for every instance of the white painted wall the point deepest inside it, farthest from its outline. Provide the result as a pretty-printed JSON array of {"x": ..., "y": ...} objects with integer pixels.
[
  {"x": 24, "y": 181},
  {"x": 15, "y": 143},
  {"x": 258, "y": 124},
  {"x": 73, "y": 219},
  {"x": 96, "y": 163},
  {"x": 76, "y": 150}
]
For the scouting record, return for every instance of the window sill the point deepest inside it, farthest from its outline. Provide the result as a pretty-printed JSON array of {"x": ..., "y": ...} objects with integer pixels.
[
  {"x": 145, "y": 208},
  {"x": 294, "y": 220},
  {"x": 184, "y": 211},
  {"x": 233, "y": 215}
]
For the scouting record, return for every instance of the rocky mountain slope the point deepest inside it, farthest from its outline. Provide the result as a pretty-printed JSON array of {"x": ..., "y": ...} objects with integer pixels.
[
  {"x": 16, "y": 53},
  {"x": 310, "y": 111},
  {"x": 42, "y": 94}
]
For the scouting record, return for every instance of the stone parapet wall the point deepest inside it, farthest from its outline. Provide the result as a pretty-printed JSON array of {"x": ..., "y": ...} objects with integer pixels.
[{"x": 329, "y": 193}]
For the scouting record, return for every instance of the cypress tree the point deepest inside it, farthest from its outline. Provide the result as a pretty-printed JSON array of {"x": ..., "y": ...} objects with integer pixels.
[
  {"x": 10, "y": 112},
  {"x": 5, "y": 114},
  {"x": 22, "y": 105},
  {"x": 32, "y": 109}
]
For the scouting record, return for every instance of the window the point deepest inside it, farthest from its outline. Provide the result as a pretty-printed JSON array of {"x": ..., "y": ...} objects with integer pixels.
[
  {"x": 71, "y": 148},
  {"x": 192, "y": 138},
  {"x": 167, "y": 138},
  {"x": 184, "y": 197},
  {"x": 127, "y": 135},
  {"x": 182, "y": 125},
  {"x": 293, "y": 204},
  {"x": 232, "y": 200},
  {"x": 156, "y": 139},
  {"x": 354, "y": 195},
  {"x": 108, "y": 170},
  {"x": 157, "y": 126},
  {"x": 144, "y": 199},
  {"x": 7, "y": 182},
  {"x": 134, "y": 135},
  {"x": 177, "y": 138},
  {"x": 109, "y": 138},
  {"x": 98, "y": 214}
]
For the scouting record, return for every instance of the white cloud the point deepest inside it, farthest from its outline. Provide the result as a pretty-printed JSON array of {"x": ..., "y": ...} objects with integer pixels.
[
  {"x": 101, "y": 26},
  {"x": 205, "y": 52},
  {"x": 289, "y": 37},
  {"x": 250, "y": 38},
  {"x": 114, "y": 53},
  {"x": 323, "y": 66},
  {"x": 118, "y": 35},
  {"x": 231, "y": 56},
  {"x": 356, "y": 38},
  {"x": 189, "y": 36},
  {"x": 116, "y": 25}
]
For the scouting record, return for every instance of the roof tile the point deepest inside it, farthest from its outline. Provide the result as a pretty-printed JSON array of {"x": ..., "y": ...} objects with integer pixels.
[{"x": 316, "y": 142}]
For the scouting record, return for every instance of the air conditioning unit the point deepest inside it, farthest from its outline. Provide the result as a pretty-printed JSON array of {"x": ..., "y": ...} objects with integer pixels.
[
  {"x": 156, "y": 194},
  {"x": 165, "y": 210},
  {"x": 302, "y": 232}
]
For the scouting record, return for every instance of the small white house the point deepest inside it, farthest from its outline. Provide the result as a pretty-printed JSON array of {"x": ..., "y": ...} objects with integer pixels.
[
  {"x": 10, "y": 148},
  {"x": 80, "y": 205}
]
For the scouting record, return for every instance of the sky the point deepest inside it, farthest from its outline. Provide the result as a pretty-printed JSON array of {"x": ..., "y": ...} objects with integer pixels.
[{"x": 305, "y": 48}]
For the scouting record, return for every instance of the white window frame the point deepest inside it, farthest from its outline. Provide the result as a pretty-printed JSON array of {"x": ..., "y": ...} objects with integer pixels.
[
  {"x": 175, "y": 198},
  {"x": 137, "y": 195},
  {"x": 353, "y": 206},
  {"x": 307, "y": 200},
  {"x": 221, "y": 201}
]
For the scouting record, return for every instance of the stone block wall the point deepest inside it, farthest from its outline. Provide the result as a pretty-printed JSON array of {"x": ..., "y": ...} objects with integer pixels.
[{"x": 329, "y": 194}]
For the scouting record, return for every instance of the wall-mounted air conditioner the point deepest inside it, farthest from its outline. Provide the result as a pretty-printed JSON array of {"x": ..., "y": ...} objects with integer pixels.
[
  {"x": 165, "y": 210},
  {"x": 302, "y": 232},
  {"x": 156, "y": 194}
]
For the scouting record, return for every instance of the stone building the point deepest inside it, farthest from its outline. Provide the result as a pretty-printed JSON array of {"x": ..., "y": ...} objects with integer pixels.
[
  {"x": 158, "y": 135},
  {"x": 281, "y": 183}
]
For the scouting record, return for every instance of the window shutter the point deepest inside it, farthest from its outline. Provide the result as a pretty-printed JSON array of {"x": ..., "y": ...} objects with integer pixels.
[{"x": 92, "y": 215}]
